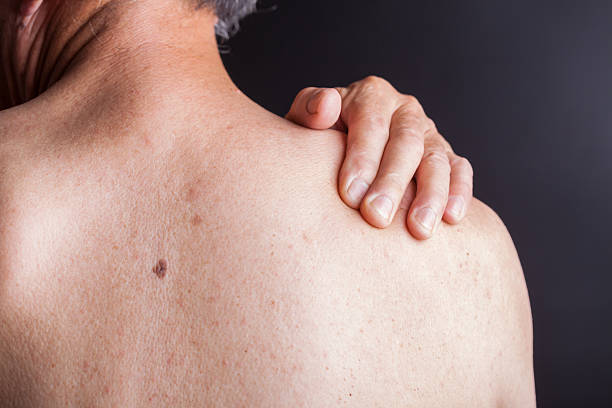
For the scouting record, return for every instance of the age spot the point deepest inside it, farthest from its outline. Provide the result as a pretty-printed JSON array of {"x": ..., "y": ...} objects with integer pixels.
[
  {"x": 196, "y": 220},
  {"x": 161, "y": 268}
]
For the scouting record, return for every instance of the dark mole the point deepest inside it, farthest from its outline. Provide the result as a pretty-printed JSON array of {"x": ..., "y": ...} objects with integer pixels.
[{"x": 161, "y": 268}]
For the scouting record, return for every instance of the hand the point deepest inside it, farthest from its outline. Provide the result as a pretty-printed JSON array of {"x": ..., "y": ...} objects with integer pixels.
[{"x": 390, "y": 141}]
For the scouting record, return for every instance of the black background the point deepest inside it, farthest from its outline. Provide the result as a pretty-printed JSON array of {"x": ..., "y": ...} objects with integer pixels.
[{"x": 523, "y": 89}]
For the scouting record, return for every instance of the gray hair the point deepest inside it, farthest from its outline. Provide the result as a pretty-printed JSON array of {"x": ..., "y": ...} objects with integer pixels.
[{"x": 229, "y": 12}]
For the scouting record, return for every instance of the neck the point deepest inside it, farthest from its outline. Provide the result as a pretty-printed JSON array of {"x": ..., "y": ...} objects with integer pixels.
[{"x": 114, "y": 44}]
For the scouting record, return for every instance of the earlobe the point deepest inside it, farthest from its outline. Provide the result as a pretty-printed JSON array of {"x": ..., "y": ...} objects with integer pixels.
[{"x": 29, "y": 7}]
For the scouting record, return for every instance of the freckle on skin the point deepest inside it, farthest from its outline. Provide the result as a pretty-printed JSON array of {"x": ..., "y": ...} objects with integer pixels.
[
  {"x": 196, "y": 220},
  {"x": 161, "y": 268},
  {"x": 195, "y": 190},
  {"x": 192, "y": 194}
]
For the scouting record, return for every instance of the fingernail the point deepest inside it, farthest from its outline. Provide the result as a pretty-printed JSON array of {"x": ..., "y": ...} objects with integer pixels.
[
  {"x": 313, "y": 103},
  {"x": 357, "y": 190},
  {"x": 427, "y": 218},
  {"x": 383, "y": 206},
  {"x": 455, "y": 206}
]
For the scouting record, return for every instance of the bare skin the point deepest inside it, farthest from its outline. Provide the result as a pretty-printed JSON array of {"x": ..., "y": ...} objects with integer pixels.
[
  {"x": 390, "y": 139},
  {"x": 158, "y": 248}
]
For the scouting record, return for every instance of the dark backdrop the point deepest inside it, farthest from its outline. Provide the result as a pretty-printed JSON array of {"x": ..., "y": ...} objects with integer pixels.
[{"x": 524, "y": 90}]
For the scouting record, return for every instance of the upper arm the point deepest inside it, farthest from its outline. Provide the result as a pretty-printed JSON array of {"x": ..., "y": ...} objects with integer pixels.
[{"x": 511, "y": 308}]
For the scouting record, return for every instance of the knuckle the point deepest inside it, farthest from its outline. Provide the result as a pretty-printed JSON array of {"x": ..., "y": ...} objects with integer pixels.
[
  {"x": 375, "y": 81},
  {"x": 372, "y": 85},
  {"x": 408, "y": 133},
  {"x": 435, "y": 144},
  {"x": 411, "y": 103},
  {"x": 363, "y": 162},
  {"x": 415, "y": 145},
  {"x": 436, "y": 158},
  {"x": 370, "y": 121},
  {"x": 445, "y": 145},
  {"x": 394, "y": 182},
  {"x": 431, "y": 125},
  {"x": 462, "y": 186},
  {"x": 410, "y": 110},
  {"x": 407, "y": 128},
  {"x": 439, "y": 191},
  {"x": 411, "y": 100},
  {"x": 405, "y": 115},
  {"x": 464, "y": 165},
  {"x": 409, "y": 124},
  {"x": 435, "y": 193}
]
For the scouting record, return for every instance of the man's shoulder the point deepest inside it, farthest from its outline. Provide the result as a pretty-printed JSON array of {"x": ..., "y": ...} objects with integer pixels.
[
  {"x": 466, "y": 284},
  {"x": 495, "y": 262},
  {"x": 484, "y": 249}
]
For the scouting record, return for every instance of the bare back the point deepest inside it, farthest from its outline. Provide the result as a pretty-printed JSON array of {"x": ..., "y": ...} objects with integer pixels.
[{"x": 143, "y": 266}]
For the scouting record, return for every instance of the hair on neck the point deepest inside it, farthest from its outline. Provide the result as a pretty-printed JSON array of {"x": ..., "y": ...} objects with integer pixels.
[{"x": 229, "y": 13}]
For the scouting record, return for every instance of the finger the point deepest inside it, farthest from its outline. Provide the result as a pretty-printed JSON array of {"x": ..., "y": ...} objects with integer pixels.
[
  {"x": 433, "y": 179},
  {"x": 461, "y": 189},
  {"x": 316, "y": 108},
  {"x": 399, "y": 163},
  {"x": 368, "y": 117}
]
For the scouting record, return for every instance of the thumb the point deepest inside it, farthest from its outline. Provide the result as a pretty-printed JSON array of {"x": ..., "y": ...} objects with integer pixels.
[{"x": 316, "y": 108}]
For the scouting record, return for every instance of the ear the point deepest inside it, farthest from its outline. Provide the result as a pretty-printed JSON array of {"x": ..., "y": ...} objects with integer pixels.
[{"x": 29, "y": 7}]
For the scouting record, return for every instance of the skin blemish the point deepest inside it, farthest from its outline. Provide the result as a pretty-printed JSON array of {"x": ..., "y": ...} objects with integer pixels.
[
  {"x": 161, "y": 268},
  {"x": 195, "y": 191},
  {"x": 192, "y": 194},
  {"x": 196, "y": 220}
]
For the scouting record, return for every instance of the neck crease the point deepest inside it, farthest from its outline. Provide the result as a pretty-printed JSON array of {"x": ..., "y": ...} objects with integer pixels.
[{"x": 113, "y": 41}]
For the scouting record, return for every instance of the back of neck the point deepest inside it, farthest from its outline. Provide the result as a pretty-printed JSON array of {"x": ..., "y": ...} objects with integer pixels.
[{"x": 121, "y": 47}]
